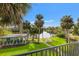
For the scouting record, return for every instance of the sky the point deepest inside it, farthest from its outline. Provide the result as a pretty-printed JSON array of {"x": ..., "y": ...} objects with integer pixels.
[{"x": 52, "y": 12}]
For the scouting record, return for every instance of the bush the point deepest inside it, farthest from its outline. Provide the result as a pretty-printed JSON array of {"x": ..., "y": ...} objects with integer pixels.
[
  {"x": 4, "y": 32},
  {"x": 74, "y": 38},
  {"x": 62, "y": 35}
]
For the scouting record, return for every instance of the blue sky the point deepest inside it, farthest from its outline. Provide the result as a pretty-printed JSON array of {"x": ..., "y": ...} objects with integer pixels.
[{"x": 52, "y": 12}]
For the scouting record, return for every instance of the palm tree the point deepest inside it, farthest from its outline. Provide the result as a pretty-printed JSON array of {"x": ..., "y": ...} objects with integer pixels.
[
  {"x": 66, "y": 24},
  {"x": 14, "y": 12},
  {"x": 27, "y": 26},
  {"x": 33, "y": 31},
  {"x": 39, "y": 23}
]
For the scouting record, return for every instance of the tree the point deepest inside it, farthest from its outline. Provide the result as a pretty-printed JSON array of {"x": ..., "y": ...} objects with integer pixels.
[
  {"x": 66, "y": 24},
  {"x": 78, "y": 22},
  {"x": 50, "y": 30},
  {"x": 76, "y": 28},
  {"x": 39, "y": 23},
  {"x": 33, "y": 31},
  {"x": 14, "y": 12},
  {"x": 26, "y": 27}
]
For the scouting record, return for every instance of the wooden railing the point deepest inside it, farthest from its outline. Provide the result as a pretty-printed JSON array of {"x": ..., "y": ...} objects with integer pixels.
[
  {"x": 12, "y": 40},
  {"x": 71, "y": 49}
]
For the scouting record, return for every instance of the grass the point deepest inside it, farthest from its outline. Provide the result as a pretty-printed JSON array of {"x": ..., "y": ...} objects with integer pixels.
[
  {"x": 57, "y": 41},
  {"x": 36, "y": 40},
  {"x": 21, "y": 49}
]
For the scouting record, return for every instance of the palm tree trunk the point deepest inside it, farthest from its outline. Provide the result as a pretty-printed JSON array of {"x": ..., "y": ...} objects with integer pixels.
[
  {"x": 32, "y": 38},
  {"x": 27, "y": 36},
  {"x": 65, "y": 32},
  {"x": 39, "y": 36},
  {"x": 68, "y": 37},
  {"x": 21, "y": 28},
  {"x": 36, "y": 36},
  {"x": 42, "y": 33}
]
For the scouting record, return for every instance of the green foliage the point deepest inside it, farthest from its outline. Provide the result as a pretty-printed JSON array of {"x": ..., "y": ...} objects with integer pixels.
[
  {"x": 13, "y": 11},
  {"x": 26, "y": 25},
  {"x": 54, "y": 30},
  {"x": 61, "y": 35},
  {"x": 76, "y": 28},
  {"x": 5, "y": 31},
  {"x": 39, "y": 22},
  {"x": 5, "y": 20},
  {"x": 66, "y": 22},
  {"x": 49, "y": 30},
  {"x": 78, "y": 22},
  {"x": 33, "y": 30}
]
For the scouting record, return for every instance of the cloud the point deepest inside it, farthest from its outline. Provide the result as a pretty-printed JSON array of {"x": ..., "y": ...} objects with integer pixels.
[
  {"x": 32, "y": 22},
  {"x": 49, "y": 21},
  {"x": 47, "y": 25}
]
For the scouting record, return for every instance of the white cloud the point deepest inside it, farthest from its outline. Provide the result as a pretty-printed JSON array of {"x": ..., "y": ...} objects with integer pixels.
[
  {"x": 49, "y": 21},
  {"x": 47, "y": 25},
  {"x": 32, "y": 22}
]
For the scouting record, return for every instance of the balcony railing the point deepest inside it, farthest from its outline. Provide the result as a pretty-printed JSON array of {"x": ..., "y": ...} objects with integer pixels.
[{"x": 71, "y": 49}]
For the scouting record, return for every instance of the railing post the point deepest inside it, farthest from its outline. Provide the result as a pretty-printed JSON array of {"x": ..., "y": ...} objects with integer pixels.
[
  {"x": 45, "y": 52},
  {"x": 36, "y": 54},
  {"x": 65, "y": 50},
  {"x": 74, "y": 52},
  {"x": 59, "y": 48},
  {"x": 41, "y": 53},
  {"x": 62, "y": 51},
  {"x": 50, "y": 52},
  {"x": 56, "y": 51},
  {"x": 78, "y": 49},
  {"x": 53, "y": 51}
]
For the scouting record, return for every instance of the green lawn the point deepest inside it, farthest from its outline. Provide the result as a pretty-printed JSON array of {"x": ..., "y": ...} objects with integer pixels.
[
  {"x": 30, "y": 47},
  {"x": 57, "y": 41},
  {"x": 21, "y": 49}
]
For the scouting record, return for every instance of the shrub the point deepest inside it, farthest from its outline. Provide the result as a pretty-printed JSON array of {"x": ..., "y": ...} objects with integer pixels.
[
  {"x": 4, "y": 31},
  {"x": 62, "y": 35},
  {"x": 75, "y": 38}
]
